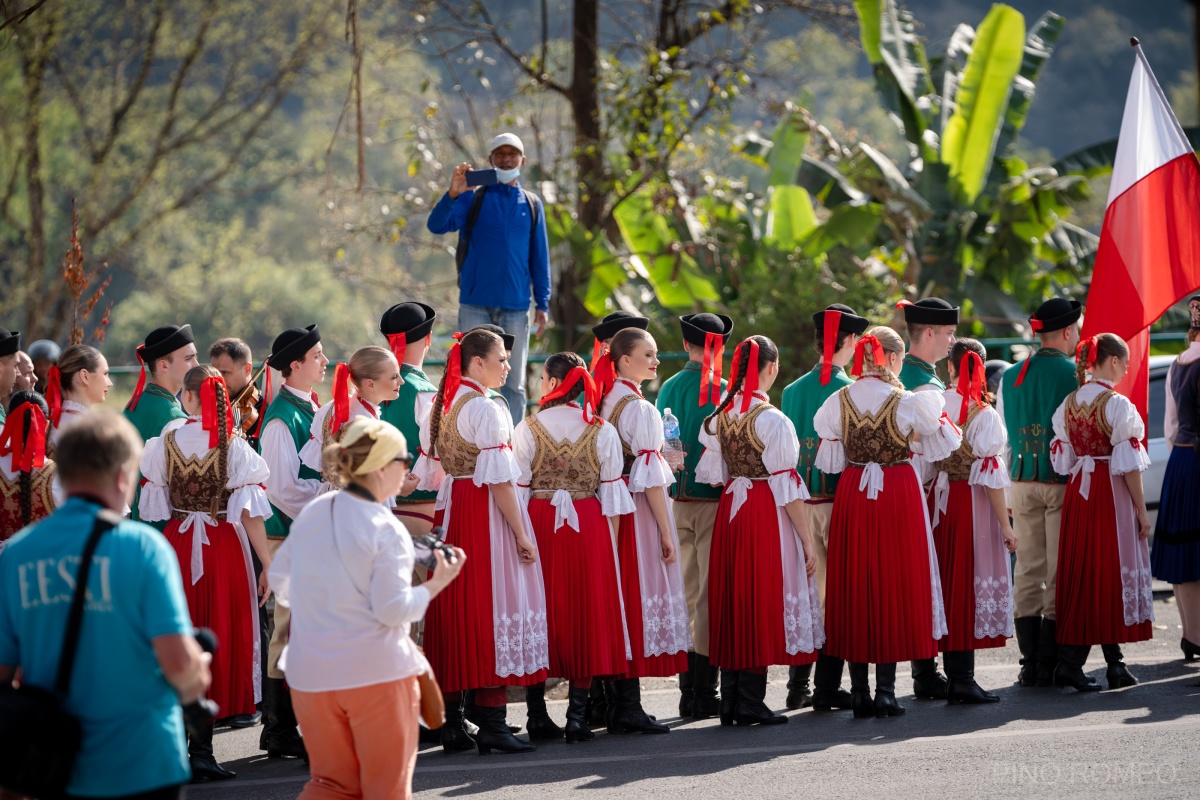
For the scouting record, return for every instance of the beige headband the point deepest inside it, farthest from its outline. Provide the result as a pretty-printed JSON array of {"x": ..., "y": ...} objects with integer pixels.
[{"x": 389, "y": 442}]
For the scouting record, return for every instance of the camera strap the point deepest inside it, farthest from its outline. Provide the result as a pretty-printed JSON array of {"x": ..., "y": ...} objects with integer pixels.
[{"x": 105, "y": 520}]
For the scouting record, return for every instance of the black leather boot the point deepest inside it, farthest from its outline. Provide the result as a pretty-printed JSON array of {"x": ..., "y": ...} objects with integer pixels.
[
  {"x": 799, "y": 695},
  {"x": 751, "y": 708},
  {"x": 1118, "y": 674},
  {"x": 928, "y": 683},
  {"x": 885, "y": 691},
  {"x": 963, "y": 690},
  {"x": 280, "y": 737},
  {"x": 597, "y": 708},
  {"x": 686, "y": 682},
  {"x": 470, "y": 723},
  {"x": 627, "y": 714},
  {"x": 729, "y": 694},
  {"x": 1047, "y": 654},
  {"x": 577, "y": 727},
  {"x": 453, "y": 734},
  {"x": 200, "y": 754},
  {"x": 494, "y": 733},
  {"x": 828, "y": 694},
  {"x": 1029, "y": 631},
  {"x": 1069, "y": 672},
  {"x": 539, "y": 725},
  {"x": 705, "y": 703},
  {"x": 860, "y": 691}
]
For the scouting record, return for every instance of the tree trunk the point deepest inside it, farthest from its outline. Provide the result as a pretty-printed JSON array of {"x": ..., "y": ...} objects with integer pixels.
[{"x": 35, "y": 49}]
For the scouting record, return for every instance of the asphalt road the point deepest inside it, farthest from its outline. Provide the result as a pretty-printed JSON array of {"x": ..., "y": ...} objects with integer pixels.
[{"x": 1137, "y": 742}]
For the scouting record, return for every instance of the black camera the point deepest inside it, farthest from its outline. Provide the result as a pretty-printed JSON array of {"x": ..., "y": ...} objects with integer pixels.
[{"x": 427, "y": 544}]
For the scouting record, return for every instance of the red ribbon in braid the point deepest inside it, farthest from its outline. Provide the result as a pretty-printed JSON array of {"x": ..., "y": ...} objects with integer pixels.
[
  {"x": 28, "y": 454},
  {"x": 591, "y": 400},
  {"x": 211, "y": 417},
  {"x": 453, "y": 373},
  {"x": 971, "y": 379},
  {"x": 860, "y": 349}
]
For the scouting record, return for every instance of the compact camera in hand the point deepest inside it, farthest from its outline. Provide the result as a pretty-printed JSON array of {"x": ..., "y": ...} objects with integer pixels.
[{"x": 428, "y": 544}]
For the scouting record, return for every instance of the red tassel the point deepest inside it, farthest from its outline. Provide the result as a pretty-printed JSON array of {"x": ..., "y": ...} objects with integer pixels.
[
  {"x": 598, "y": 349},
  {"x": 833, "y": 321},
  {"x": 737, "y": 370},
  {"x": 54, "y": 395},
  {"x": 398, "y": 342},
  {"x": 605, "y": 376},
  {"x": 970, "y": 383},
  {"x": 340, "y": 414},
  {"x": 904, "y": 303},
  {"x": 211, "y": 417},
  {"x": 590, "y": 402},
  {"x": 453, "y": 373},
  {"x": 141, "y": 384},
  {"x": 710, "y": 369},
  {"x": 1091, "y": 344},
  {"x": 28, "y": 454},
  {"x": 751, "y": 385},
  {"x": 1036, "y": 325},
  {"x": 877, "y": 354}
]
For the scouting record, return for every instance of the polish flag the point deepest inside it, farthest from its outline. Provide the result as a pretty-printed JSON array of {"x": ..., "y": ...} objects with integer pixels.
[{"x": 1149, "y": 255}]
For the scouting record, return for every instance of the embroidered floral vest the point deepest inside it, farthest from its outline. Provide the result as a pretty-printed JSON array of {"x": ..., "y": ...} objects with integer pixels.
[
  {"x": 1088, "y": 428},
  {"x": 196, "y": 483},
  {"x": 457, "y": 454},
  {"x": 958, "y": 464},
  {"x": 41, "y": 502},
  {"x": 741, "y": 449},
  {"x": 630, "y": 456},
  {"x": 573, "y": 466},
  {"x": 873, "y": 437}
]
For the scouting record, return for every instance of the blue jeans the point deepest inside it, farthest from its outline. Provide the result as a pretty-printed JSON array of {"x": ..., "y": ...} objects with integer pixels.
[{"x": 517, "y": 324}]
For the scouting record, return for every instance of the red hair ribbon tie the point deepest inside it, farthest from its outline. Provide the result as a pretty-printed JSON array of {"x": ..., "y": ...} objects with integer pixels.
[
  {"x": 971, "y": 377},
  {"x": 453, "y": 373},
  {"x": 1092, "y": 345},
  {"x": 340, "y": 414},
  {"x": 878, "y": 356},
  {"x": 590, "y": 402},
  {"x": 29, "y": 453},
  {"x": 832, "y": 321},
  {"x": 605, "y": 375},
  {"x": 212, "y": 417},
  {"x": 54, "y": 395},
  {"x": 710, "y": 368}
]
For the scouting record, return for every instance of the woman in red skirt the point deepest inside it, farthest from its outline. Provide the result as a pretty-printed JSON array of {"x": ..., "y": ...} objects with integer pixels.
[
  {"x": 652, "y": 581},
  {"x": 570, "y": 462},
  {"x": 1103, "y": 594},
  {"x": 763, "y": 601},
  {"x": 208, "y": 483},
  {"x": 883, "y": 589},
  {"x": 29, "y": 488},
  {"x": 970, "y": 527},
  {"x": 488, "y": 630}
]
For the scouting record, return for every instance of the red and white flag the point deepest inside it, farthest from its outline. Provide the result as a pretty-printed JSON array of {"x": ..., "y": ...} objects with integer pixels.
[{"x": 1149, "y": 255}]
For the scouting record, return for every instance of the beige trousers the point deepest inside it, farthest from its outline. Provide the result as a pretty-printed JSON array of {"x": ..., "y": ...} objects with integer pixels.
[
  {"x": 281, "y": 616},
  {"x": 1037, "y": 515},
  {"x": 818, "y": 516},
  {"x": 694, "y": 521}
]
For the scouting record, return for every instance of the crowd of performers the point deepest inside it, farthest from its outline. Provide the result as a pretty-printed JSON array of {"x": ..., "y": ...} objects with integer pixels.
[{"x": 864, "y": 520}]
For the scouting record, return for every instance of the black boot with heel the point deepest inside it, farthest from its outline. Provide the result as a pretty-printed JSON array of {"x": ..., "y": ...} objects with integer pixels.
[
  {"x": 860, "y": 691},
  {"x": 799, "y": 695},
  {"x": 628, "y": 716},
  {"x": 539, "y": 725},
  {"x": 494, "y": 733},
  {"x": 960, "y": 669},
  {"x": 729, "y": 693},
  {"x": 1118, "y": 674},
  {"x": 705, "y": 703},
  {"x": 828, "y": 694},
  {"x": 885, "y": 692},
  {"x": 1029, "y": 632},
  {"x": 751, "y": 706},
  {"x": 577, "y": 729},
  {"x": 453, "y": 733},
  {"x": 1069, "y": 672},
  {"x": 200, "y": 753}
]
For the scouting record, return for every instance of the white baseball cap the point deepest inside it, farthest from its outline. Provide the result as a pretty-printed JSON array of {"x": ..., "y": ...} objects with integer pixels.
[{"x": 509, "y": 139}]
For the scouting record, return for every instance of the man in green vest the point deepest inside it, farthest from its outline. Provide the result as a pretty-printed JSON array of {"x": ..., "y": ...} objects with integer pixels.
[
  {"x": 931, "y": 323},
  {"x": 1029, "y": 395},
  {"x": 838, "y": 328},
  {"x": 408, "y": 328},
  {"x": 284, "y": 429},
  {"x": 693, "y": 394},
  {"x": 10, "y": 343},
  {"x": 166, "y": 355}
]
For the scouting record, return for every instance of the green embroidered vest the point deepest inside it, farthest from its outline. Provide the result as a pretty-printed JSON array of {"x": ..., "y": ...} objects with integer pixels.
[
  {"x": 400, "y": 412},
  {"x": 1029, "y": 410},
  {"x": 297, "y": 415}
]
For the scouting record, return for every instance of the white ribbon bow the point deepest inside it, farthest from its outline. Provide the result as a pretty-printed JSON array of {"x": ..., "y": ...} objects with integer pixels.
[
  {"x": 871, "y": 481},
  {"x": 1085, "y": 465},
  {"x": 564, "y": 510},
  {"x": 941, "y": 496},
  {"x": 741, "y": 489},
  {"x": 197, "y": 522}
]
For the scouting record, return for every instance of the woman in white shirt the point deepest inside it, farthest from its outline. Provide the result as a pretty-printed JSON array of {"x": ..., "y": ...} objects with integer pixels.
[
  {"x": 345, "y": 571},
  {"x": 79, "y": 381}
]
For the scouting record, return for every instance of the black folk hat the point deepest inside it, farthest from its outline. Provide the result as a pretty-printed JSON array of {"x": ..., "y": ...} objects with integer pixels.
[
  {"x": 849, "y": 322},
  {"x": 929, "y": 311},
  {"x": 1055, "y": 314},
  {"x": 509, "y": 339},
  {"x": 696, "y": 327},
  {"x": 10, "y": 341},
  {"x": 291, "y": 345},
  {"x": 165, "y": 340},
  {"x": 618, "y": 320},
  {"x": 414, "y": 320}
]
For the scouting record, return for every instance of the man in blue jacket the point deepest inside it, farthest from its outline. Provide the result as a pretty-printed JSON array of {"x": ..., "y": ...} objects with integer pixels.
[{"x": 503, "y": 252}]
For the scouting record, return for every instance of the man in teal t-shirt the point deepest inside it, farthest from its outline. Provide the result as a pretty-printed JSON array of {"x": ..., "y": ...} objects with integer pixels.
[
  {"x": 408, "y": 328},
  {"x": 166, "y": 356},
  {"x": 136, "y": 659},
  {"x": 1030, "y": 393},
  {"x": 837, "y": 329},
  {"x": 693, "y": 394}
]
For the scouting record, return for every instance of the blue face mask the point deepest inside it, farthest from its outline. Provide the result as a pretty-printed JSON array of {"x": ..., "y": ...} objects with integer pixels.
[{"x": 507, "y": 175}]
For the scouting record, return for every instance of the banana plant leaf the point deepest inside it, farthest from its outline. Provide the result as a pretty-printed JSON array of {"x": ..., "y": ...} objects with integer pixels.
[
  {"x": 1097, "y": 159},
  {"x": 790, "y": 217},
  {"x": 1039, "y": 46},
  {"x": 658, "y": 255},
  {"x": 969, "y": 139},
  {"x": 787, "y": 150},
  {"x": 830, "y": 187}
]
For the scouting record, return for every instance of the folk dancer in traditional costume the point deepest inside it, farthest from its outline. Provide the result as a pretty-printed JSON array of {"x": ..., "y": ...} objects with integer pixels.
[
  {"x": 77, "y": 382},
  {"x": 207, "y": 483},
  {"x": 764, "y": 606},
  {"x": 10, "y": 345},
  {"x": 652, "y": 582},
  {"x": 1028, "y": 396},
  {"x": 283, "y": 431},
  {"x": 882, "y": 561},
  {"x": 1103, "y": 593},
  {"x": 29, "y": 488},
  {"x": 1175, "y": 557},
  {"x": 488, "y": 630},
  {"x": 837, "y": 331},
  {"x": 570, "y": 462},
  {"x": 691, "y": 395},
  {"x": 931, "y": 323},
  {"x": 232, "y": 358},
  {"x": 408, "y": 329},
  {"x": 165, "y": 357},
  {"x": 970, "y": 527}
]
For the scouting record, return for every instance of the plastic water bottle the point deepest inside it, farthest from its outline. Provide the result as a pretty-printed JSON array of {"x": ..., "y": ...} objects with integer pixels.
[{"x": 671, "y": 432}]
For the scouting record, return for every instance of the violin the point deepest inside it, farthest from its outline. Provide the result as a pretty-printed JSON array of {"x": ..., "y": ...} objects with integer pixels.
[{"x": 245, "y": 405}]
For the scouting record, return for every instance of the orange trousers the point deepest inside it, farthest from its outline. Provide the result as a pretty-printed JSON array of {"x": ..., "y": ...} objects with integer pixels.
[{"x": 362, "y": 743}]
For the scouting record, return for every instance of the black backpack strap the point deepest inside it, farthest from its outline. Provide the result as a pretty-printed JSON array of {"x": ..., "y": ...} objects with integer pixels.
[
  {"x": 534, "y": 215},
  {"x": 464, "y": 236},
  {"x": 105, "y": 520}
]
